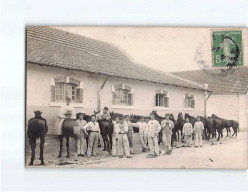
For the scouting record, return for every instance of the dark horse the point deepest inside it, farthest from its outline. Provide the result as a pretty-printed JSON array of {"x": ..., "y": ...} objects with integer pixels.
[
  {"x": 180, "y": 123},
  {"x": 228, "y": 124},
  {"x": 217, "y": 126},
  {"x": 37, "y": 128},
  {"x": 106, "y": 128},
  {"x": 174, "y": 130},
  {"x": 68, "y": 131},
  {"x": 225, "y": 123},
  {"x": 208, "y": 127}
]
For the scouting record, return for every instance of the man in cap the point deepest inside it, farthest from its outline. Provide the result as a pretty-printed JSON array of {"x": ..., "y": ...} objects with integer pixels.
[
  {"x": 66, "y": 111},
  {"x": 81, "y": 135},
  {"x": 153, "y": 130},
  {"x": 167, "y": 125},
  {"x": 143, "y": 130}
]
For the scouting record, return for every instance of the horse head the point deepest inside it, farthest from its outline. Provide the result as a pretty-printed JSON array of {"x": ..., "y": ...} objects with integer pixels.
[{"x": 37, "y": 114}]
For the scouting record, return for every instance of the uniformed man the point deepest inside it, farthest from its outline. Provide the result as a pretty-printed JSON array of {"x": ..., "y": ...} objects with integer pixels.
[
  {"x": 167, "y": 125},
  {"x": 129, "y": 133},
  {"x": 187, "y": 132},
  {"x": 66, "y": 111},
  {"x": 198, "y": 129},
  {"x": 115, "y": 137},
  {"x": 123, "y": 145},
  {"x": 143, "y": 130},
  {"x": 93, "y": 129},
  {"x": 153, "y": 130},
  {"x": 81, "y": 137}
]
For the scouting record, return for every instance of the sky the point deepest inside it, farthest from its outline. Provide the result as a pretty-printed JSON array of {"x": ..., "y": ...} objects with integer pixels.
[{"x": 167, "y": 49}]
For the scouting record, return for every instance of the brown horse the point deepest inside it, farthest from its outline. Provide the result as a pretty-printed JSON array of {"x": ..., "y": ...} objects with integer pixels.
[
  {"x": 67, "y": 132},
  {"x": 225, "y": 124},
  {"x": 37, "y": 128},
  {"x": 180, "y": 123}
]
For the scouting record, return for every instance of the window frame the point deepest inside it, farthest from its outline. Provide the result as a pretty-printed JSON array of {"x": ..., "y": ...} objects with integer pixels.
[
  {"x": 129, "y": 96},
  {"x": 193, "y": 98}
]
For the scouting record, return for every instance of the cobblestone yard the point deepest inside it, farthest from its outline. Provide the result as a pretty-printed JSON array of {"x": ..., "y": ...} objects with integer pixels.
[{"x": 227, "y": 149}]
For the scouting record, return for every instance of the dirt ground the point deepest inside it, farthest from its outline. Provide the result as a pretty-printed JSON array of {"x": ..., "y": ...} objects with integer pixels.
[{"x": 227, "y": 153}]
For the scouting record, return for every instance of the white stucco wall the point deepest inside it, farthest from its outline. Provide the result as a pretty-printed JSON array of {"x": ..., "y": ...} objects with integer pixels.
[{"x": 39, "y": 94}]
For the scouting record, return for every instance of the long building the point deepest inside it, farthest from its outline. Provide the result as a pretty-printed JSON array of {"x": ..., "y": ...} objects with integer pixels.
[{"x": 95, "y": 74}]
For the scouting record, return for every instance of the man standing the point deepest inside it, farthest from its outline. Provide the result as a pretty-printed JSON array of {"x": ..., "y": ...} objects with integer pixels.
[
  {"x": 198, "y": 128},
  {"x": 93, "y": 128},
  {"x": 187, "y": 132},
  {"x": 143, "y": 128},
  {"x": 167, "y": 125},
  {"x": 104, "y": 114},
  {"x": 66, "y": 111},
  {"x": 123, "y": 144},
  {"x": 153, "y": 130},
  {"x": 81, "y": 137},
  {"x": 115, "y": 137},
  {"x": 129, "y": 133}
]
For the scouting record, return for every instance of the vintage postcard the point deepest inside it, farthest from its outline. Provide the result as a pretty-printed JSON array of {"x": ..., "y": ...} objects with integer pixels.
[{"x": 136, "y": 97}]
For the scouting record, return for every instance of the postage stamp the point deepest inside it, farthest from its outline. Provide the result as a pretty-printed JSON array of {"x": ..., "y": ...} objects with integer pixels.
[{"x": 227, "y": 48}]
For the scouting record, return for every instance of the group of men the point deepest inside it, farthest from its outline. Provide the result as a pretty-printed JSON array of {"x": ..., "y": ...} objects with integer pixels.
[{"x": 122, "y": 138}]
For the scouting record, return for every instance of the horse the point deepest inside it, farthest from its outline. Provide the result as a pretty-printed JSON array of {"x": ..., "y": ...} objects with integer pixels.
[
  {"x": 218, "y": 126},
  {"x": 68, "y": 131},
  {"x": 174, "y": 130},
  {"x": 37, "y": 128},
  {"x": 180, "y": 123},
  {"x": 208, "y": 127},
  {"x": 225, "y": 123},
  {"x": 235, "y": 126}
]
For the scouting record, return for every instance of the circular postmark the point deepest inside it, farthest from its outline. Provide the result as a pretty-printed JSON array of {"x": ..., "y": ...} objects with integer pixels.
[{"x": 226, "y": 49}]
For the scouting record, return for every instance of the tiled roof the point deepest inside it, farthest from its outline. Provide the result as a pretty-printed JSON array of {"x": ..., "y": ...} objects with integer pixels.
[
  {"x": 227, "y": 82},
  {"x": 53, "y": 47}
]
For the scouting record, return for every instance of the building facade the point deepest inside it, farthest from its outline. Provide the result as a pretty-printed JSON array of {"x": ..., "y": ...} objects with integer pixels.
[{"x": 102, "y": 77}]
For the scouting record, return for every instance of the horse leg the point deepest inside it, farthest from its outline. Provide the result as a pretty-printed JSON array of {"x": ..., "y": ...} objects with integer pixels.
[
  {"x": 99, "y": 143},
  {"x": 67, "y": 146},
  {"x": 61, "y": 145},
  {"x": 226, "y": 132},
  {"x": 219, "y": 133},
  {"x": 42, "y": 141},
  {"x": 33, "y": 144}
]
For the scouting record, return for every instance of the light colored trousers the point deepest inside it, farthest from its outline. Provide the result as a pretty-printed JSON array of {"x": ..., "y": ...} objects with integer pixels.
[
  {"x": 143, "y": 140},
  {"x": 81, "y": 145},
  {"x": 198, "y": 138},
  {"x": 114, "y": 145},
  {"x": 153, "y": 145},
  {"x": 188, "y": 140},
  {"x": 92, "y": 143},
  {"x": 166, "y": 138},
  {"x": 123, "y": 145}
]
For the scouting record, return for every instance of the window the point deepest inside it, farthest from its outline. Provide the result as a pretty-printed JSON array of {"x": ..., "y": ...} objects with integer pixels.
[
  {"x": 189, "y": 101},
  {"x": 122, "y": 95},
  {"x": 65, "y": 90},
  {"x": 66, "y": 87},
  {"x": 161, "y": 98}
]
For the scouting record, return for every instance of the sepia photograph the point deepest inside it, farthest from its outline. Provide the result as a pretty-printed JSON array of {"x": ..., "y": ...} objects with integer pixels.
[{"x": 136, "y": 97}]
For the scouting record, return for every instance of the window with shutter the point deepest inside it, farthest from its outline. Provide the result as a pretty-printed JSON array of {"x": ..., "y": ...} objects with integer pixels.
[
  {"x": 122, "y": 95},
  {"x": 189, "y": 101},
  {"x": 161, "y": 98},
  {"x": 66, "y": 87}
]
